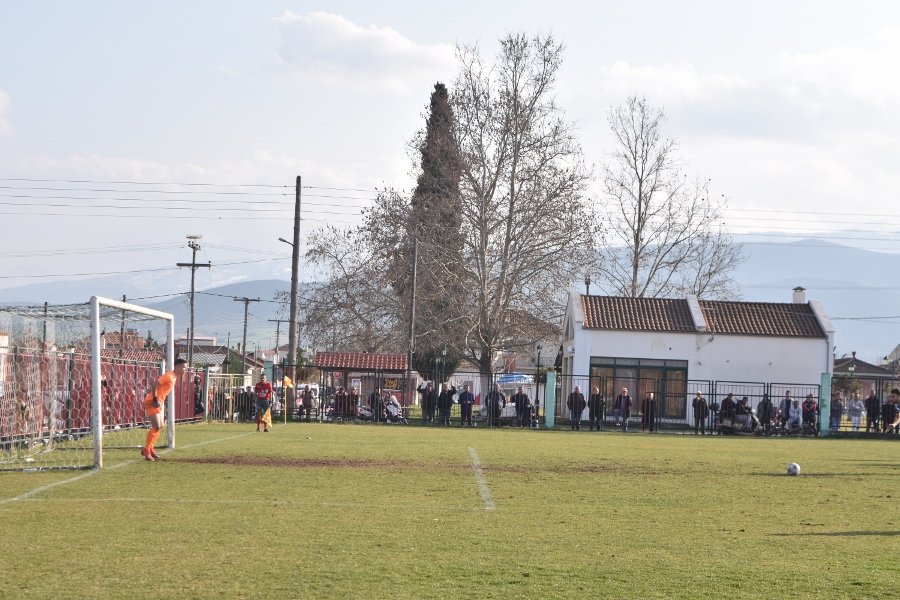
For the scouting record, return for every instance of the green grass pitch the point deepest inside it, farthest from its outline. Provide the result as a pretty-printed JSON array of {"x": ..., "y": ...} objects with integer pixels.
[{"x": 365, "y": 511}]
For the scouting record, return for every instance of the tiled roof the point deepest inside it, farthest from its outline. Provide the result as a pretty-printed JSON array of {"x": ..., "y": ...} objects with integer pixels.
[
  {"x": 135, "y": 355},
  {"x": 860, "y": 367},
  {"x": 362, "y": 361},
  {"x": 761, "y": 318},
  {"x": 722, "y": 317},
  {"x": 637, "y": 314}
]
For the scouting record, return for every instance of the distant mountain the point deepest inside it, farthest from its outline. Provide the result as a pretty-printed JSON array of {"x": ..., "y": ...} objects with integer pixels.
[{"x": 850, "y": 282}]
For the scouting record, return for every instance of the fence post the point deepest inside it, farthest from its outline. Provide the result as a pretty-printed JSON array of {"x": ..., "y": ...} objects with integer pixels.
[
  {"x": 550, "y": 399},
  {"x": 825, "y": 405}
]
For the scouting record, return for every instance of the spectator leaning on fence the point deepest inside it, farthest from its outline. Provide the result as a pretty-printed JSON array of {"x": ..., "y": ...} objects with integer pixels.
[
  {"x": 445, "y": 403},
  {"x": 429, "y": 401}
]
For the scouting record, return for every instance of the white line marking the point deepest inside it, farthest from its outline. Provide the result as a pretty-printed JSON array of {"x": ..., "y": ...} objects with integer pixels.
[
  {"x": 482, "y": 484},
  {"x": 92, "y": 472}
]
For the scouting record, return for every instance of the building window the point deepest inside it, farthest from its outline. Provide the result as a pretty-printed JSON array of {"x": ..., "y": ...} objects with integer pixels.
[{"x": 666, "y": 379}]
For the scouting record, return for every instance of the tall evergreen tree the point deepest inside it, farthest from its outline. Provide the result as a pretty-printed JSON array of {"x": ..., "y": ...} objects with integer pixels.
[{"x": 435, "y": 220}]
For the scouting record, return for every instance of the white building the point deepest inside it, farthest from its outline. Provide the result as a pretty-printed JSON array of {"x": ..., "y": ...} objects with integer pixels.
[{"x": 672, "y": 346}]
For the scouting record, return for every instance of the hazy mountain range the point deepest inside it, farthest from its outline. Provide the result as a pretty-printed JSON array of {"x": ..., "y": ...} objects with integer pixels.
[{"x": 860, "y": 289}]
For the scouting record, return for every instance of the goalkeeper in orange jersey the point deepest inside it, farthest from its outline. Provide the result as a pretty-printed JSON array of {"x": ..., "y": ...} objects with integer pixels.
[{"x": 153, "y": 405}]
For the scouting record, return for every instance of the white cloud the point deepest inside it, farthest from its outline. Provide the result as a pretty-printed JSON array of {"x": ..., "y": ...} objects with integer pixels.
[
  {"x": 329, "y": 48},
  {"x": 5, "y": 126},
  {"x": 670, "y": 83},
  {"x": 865, "y": 73}
]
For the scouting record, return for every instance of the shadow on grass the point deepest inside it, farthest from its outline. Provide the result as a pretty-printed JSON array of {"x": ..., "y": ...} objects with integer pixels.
[{"x": 839, "y": 533}]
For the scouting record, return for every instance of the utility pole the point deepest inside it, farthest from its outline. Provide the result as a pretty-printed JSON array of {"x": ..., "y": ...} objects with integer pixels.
[
  {"x": 246, "y": 302},
  {"x": 295, "y": 279},
  {"x": 278, "y": 331},
  {"x": 194, "y": 246}
]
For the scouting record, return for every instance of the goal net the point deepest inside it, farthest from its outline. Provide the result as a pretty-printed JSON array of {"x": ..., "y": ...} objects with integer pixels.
[{"x": 73, "y": 380}]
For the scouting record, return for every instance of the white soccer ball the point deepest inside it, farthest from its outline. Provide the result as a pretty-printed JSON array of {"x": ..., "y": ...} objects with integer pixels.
[
  {"x": 793, "y": 469},
  {"x": 117, "y": 427}
]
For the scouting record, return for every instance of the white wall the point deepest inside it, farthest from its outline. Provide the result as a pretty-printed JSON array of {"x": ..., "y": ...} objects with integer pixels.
[{"x": 719, "y": 357}]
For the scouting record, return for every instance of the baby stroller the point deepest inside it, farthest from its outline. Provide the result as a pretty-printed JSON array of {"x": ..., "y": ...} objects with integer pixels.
[{"x": 393, "y": 411}]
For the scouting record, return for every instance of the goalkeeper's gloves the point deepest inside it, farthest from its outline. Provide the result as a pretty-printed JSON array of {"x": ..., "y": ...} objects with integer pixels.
[{"x": 156, "y": 403}]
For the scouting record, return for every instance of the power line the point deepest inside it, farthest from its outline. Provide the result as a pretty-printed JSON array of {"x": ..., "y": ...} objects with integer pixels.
[{"x": 190, "y": 184}]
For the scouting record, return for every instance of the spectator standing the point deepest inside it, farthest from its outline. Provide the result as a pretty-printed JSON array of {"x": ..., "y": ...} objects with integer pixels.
[
  {"x": 701, "y": 413},
  {"x": 376, "y": 404},
  {"x": 306, "y": 402},
  {"x": 445, "y": 403},
  {"x": 494, "y": 403},
  {"x": 765, "y": 410},
  {"x": 810, "y": 413},
  {"x": 785, "y": 407},
  {"x": 595, "y": 408},
  {"x": 466, "y": 400},
  {"x": 836, "y": 411},
  {"x": 729, "y": 407},
  {"x": 622, "y": 408},
  {"x": 353, "y": 402},
  {"x": 340, "y": 403},
  {"x": 648, "y": 412},
  {"x": 891, "y": 414},
  {"x": 263, "y": 391},
  {"x": 576, "y": 406},
  {"x": 873, "y": 411},
  {"x": 429, "y": 401},
  {"x": 522, "y": 403},
  {"x": 855, "y": 409}
]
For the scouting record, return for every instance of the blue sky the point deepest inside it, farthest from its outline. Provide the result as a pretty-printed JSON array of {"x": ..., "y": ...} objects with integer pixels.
[{"x": 785, "y": 106}]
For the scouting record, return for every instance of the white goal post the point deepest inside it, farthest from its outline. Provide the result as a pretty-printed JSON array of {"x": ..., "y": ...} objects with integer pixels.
[
  {"x": 96, "y": 377},
  {"x": 73, "y": 378}
]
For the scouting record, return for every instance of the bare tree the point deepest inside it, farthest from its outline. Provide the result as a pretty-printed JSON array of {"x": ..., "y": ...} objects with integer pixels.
[
  {"x": 525, "y": 225},
  {"x": 661, "y": 229},
  {"x": 353, "y": 309}
]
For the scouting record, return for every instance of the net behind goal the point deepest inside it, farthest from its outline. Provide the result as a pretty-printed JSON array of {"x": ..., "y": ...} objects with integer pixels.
[{"x": 73, "y": 379}]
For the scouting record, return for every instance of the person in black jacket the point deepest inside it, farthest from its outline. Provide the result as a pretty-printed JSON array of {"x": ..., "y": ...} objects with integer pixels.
[
  {"x": 576, "y": 405},
  {"x": 445, "y": 403},
  {"x": 595, "y": 408},
  {"x": 429, "y": 402},
  {"x": 522, "y": 403},
  {"x": 873, "y": 411},
  {"x": 466, "y": 400},
  {"x": 623, "y": 408},
  {"x": 494, "y": 403}
]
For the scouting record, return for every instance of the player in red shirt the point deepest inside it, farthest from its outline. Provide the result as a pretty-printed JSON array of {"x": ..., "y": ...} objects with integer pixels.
[
  {"x": 162, "y": 387},
  {"x": 263, "y": 391}
]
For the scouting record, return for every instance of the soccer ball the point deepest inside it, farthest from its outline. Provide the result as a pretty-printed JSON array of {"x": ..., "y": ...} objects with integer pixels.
[{"x": 793, "y": 469}]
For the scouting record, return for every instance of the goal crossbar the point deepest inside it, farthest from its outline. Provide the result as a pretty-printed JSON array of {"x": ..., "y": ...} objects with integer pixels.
[{"x": 96, "y": 376}]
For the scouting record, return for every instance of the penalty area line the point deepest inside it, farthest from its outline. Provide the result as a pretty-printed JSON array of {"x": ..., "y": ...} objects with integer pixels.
[
  {"x": 92, "y": 472},
  {"x": 482, "y": 483}
]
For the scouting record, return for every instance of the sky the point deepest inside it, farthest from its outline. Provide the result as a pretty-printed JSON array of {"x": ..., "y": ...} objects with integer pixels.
[{"x": 107, "y": 110}]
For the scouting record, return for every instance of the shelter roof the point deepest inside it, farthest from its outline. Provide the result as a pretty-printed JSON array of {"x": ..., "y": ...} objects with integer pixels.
[{"x": 361, "y": 361}]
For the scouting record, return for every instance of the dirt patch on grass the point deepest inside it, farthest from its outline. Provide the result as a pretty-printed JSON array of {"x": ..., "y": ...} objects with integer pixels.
[{"x": 387, "y": 464}]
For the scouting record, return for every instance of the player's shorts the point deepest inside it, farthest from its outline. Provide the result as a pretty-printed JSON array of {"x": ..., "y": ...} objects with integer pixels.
[{"x": 149, "y": 408}]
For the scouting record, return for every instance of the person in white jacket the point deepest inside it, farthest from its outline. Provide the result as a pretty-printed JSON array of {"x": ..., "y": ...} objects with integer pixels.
[
  {"x": 795, "y": 416},
  {"x": 855, "y": 410}
]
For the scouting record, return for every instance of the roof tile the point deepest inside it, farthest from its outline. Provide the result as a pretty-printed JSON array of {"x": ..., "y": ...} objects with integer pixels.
[{"x": 362, "y": 361}]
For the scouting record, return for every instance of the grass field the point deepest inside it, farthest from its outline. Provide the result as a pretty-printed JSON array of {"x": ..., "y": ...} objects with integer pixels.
[{"x": 348, "y": 511}]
